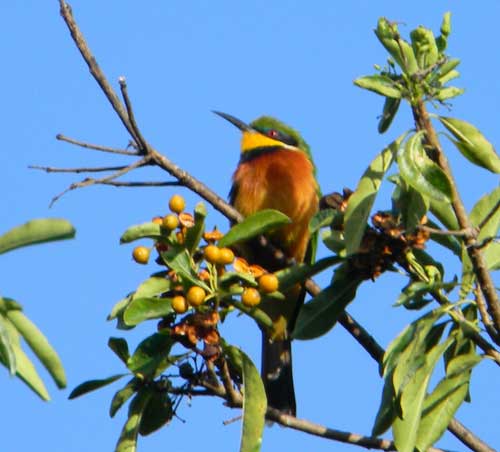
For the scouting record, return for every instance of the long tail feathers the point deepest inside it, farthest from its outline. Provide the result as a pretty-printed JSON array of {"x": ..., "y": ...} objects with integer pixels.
[{"x": 277, "y": 374}]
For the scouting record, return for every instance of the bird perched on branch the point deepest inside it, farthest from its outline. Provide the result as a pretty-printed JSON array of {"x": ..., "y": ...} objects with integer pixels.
[{"x": 276, "y": 171}]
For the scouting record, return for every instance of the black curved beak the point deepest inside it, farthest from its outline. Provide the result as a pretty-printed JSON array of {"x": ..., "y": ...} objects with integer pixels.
[{"x": 234, "y": 121}]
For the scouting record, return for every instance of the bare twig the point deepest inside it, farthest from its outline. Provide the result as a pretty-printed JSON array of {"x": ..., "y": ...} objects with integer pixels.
[
  {"x": 49, "y": 169},
  {"x": 485, "y": 317},
  {"x": 115, "y": 183},
  {"x": 128, "y": 104},
  {"x": 95, "y": 147},
  {"x": 462, "y": 233},
  {"x": 233, "y": 396},
  {"x": 90, "y": 181}
]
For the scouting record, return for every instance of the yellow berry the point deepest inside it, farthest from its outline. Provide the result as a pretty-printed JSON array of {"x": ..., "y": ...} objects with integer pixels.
[
  {"x": 250, "y": 297},
  {"x": 212, "y": 254},
  {"x": 170, "y": 221},
  {"x": 179, "y": 304},
  {"x": 157, "y": 220},
  {"x": 195, "y": 296},
  {"x": 226, "y": 256},
  {"x": 268, "y": 283},
  {"x": 141, "y": 254},
  {"x": 177, "y": 204}
]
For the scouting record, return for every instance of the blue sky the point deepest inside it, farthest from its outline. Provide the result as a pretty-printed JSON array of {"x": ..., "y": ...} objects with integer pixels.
[{"x": 293, "y": 60}]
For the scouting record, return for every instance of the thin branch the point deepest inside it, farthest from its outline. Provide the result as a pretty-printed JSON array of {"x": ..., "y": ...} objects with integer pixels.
[
  {"x": 95, "y": 147},
  {"x": 50, "y": 169},
  {"x": 461, "y": 233},
  {"x": 480, "y": 268},
  {"x": 485, "y": 317},
  {"x": 91, "y": 181},
  {"x": 488, "y": 217},
  {"x": 233, "y": 396},
  {"x": 143, "y": 144},
  {"x": 172, "y": 183},
  {"x": 468, "y": 438}
]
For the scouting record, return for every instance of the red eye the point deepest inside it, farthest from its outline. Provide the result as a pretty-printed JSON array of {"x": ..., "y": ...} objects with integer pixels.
[{"x": 273, "y": 133}]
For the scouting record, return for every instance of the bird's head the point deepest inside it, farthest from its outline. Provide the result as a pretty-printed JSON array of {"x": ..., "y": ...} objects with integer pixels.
[{"x": 266, "y": 133}]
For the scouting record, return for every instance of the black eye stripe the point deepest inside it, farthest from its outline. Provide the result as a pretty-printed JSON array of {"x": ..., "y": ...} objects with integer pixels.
[{"x": 280, "y": 136}]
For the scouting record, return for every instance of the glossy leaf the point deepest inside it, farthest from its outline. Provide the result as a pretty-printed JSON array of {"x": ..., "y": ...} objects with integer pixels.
[
  {"x": 141, "y": 309},
  {"x": 194, "y": 234},
  {"x": 444, "y": 213},
  {"x": 148, "y": 230},
  {"x": 39, "y": 345},
  {"x": 405, "y": 429},
  {"x": 254, "y": 225},
  {"x": 151, "y": 355},
  {"x": 7, "y": 355},
  {"x": 92, "y": 385},
  {"x": 36, "y": 231},
  {"x": 320, "y": 314},
  {"x": 441, "y": 405},
  {"x": 449, "y": 92},
  {"x": 391, "y": 107},
  {"x": 472, "y": 144},
  {"x": 448, "y": 241},
  {"x": 379, "y": 84},
  {"x": 421, "y": 172},
  {"x": 254, "y": 402},
  {"x": 322, "y": 218},
  {"x": 492, "y": 256},
  {"x": 413, "y": 205},
  {"x": 25, "y": 369},
  {"x": 447, "y": 68},
  {"x": 119, "y": 307},
  {"x": 120, "y": 347},
  {"x": 151, "y": 287},
  {"x": 386, "y": 412},
  {"x": 424, "y": 47},
  {"x": 157, "y": 412},
  {"x": 121, "y": 396},
  {"x": 179, "y": 260},
  {"x": 402, "y": 52},
  {"x": 361, "y": 201},
  {"x": 293, "y": 275},
  {"x": 128, "y": 437}
]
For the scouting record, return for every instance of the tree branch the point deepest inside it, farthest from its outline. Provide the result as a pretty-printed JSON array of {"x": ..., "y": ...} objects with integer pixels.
[
  {"x": 481, "y": 272},
  {"x": 95, "y": 147}
]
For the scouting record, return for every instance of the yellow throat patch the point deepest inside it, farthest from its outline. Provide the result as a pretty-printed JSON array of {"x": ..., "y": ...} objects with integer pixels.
[{"x": 252, "y": 140}]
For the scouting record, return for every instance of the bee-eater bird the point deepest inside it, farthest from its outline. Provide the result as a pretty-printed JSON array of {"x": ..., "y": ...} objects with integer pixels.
[{"x": 276, "y": 171}]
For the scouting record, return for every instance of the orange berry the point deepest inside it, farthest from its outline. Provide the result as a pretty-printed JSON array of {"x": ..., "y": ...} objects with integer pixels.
[
  {"x": 170, "y": 221},
  {"x": 157, "y": 220},
  {"x": 179, "y": 304},
  {"x": 213, "y": 236},
  {"x": 268, "y": 283},
  {"x": 212, "y": 253},
  {"x": 177, "y": 204},
  {"x": 250, "y": 297},
  {"x": 141, "y": 254},
  {"x": 180, "y": 238},
  {"x": 226, "y": 256},
  {"x": 195, "y": 296}
]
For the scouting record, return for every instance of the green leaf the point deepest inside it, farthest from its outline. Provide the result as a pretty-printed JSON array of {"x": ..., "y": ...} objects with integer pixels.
[
  {"x": 421, "y": 172},
  {"x": 148, "y": 230},
  {"x": 441, "y": 405},
  {"x": 156, "y": 414},
  {"x": 194, "y": 234},
  {"x": 320, "y": 314},
  {"x": 179, "y": 260},
  {"x": 25, "y": 369},
  {"x": 388, "y": 34},
  {"x": 380, "y": 84},
  {"x": 448, "y": 241},
  {"x": 229, "y": 278},
  {"x": 128, "y": 437},
  {"x": 405, "y": 429},
  {"x": 447, "y": 68},
  {"x": 472, "y": 144},
  {"x": 123, "y": 395},
  {"x": 290, "y": 276},
  {"x": 253, "y": 225},
  {"x": 92, "y": 385},
  {"x": 492, "y": 256},
  {"x": 322, "y": 218},
  {"x": 444, "y": 213},
  {"x": 361, "y": 201},
  {"x": 386, "y": 412},
  {"x": 156, "y": 285},
  {"x": 254, "y": 401},
  {"x": 151, "y": 355},
  {"x": 7, "y": 355},
  {"x": 424, "y": 47},
  {"x": 119, "y": 307},
  {"x": 36, "y": 231},
  {"x": 141, "y": 309},
  {"x": 391, "y": 107},
  {"x": 412, "y": 205},
  {"x": 449, "y": 92},
  {"x": 120, "y": 347},
  {"x": 39, "y": 345}
]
